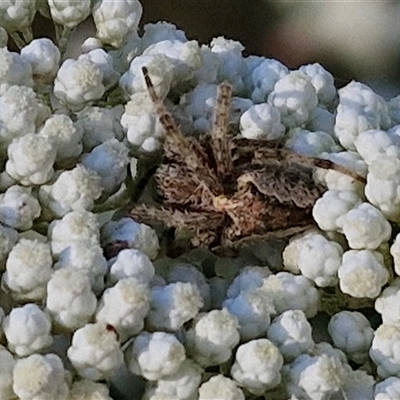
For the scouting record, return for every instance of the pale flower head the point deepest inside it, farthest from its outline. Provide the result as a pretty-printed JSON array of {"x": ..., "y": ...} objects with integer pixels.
[
  {"x": 69, "y": 13},
  {"x": 17, "y": 15},
  {"x": 44, "y": 57},
  {"x": 14, "y": 70},
  {"x": 115, "y": 20},
  {"x": 78, "y": 82}
]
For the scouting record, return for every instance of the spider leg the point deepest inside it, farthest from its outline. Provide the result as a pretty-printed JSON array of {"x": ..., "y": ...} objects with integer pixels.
[
  {"x": 255, "y": 238},
  {"x": 286, "y": 184},
  {"x": 204, "y": 226},
  {"x": 321, "y": 163},
  {"x": 176, "y": 143},
  {"x": 167, "y": 121},
  {"x": 220, "y": 144},
  {"x": 176, "y": 218},
  {"x": 264, "y": 152}
]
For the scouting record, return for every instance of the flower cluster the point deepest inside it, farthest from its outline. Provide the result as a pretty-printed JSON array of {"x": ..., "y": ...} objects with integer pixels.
[{"x": 89, "y": 300}]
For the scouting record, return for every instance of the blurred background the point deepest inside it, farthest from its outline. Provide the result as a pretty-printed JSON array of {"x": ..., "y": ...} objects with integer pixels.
[{"x": 352, "y": 39}]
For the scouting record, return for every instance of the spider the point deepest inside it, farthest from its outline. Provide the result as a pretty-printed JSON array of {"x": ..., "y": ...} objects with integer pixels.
[{"x": 223, "y": 189}]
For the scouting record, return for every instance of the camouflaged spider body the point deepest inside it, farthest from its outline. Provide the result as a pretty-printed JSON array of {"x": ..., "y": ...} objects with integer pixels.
[{"x": 224, "y": 189}]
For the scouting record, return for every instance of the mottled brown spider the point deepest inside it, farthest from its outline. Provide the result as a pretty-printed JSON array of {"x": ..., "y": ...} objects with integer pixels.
[{"x": 224, "y": 189}]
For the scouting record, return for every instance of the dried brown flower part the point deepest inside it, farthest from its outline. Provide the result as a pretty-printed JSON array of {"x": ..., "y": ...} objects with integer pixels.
[{"x": 224, "y": 190}]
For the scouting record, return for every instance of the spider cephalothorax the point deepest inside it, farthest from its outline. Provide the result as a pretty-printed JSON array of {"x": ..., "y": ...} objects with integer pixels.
[{"x": 223, "y": 189}]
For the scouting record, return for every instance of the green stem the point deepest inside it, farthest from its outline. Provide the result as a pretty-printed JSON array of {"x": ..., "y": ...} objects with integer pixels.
[
  {"x": 62, "y": 36},
  {"x": 17, "y": 40},
  {"x": 27, "y": 34}
]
